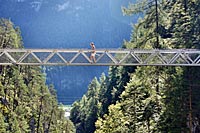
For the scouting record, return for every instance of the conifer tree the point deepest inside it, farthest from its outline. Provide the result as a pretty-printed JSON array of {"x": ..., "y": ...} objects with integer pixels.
[
  {"x": 147, "y": 107},
  {"x": 21, "y": 88},
  {"x": 84, "y": 113},
  {"x": 102, "y": 95},
  {"x": 184, "y": 25},
  {"x": 174, "y": 106}
]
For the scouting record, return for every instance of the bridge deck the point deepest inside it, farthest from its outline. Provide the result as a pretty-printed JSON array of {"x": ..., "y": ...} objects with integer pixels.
[{"x": 104, "y": 57}]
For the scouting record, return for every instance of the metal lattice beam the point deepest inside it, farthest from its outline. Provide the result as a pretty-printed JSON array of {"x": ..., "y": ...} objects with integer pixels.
[{"x": 104, "y": 57}]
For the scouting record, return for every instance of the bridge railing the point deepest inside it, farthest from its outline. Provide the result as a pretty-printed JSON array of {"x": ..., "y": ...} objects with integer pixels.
[{"x": 104, "y": 57}]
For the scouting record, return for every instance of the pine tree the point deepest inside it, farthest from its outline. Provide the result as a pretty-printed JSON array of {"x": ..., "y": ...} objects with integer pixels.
[
  {"x": 75, "y": 115},
  {"x": 84, "y": 113},
  {"x": 144, "y": 101},
  {"x": 102, "y": 95},
  {"x": 10, "y": 36},
  {"x": 181, "y": 27},
  {"x": 21, "y": 91},
  {"x": 115, "y": 122},
  {"x": 184, "y": 25}
]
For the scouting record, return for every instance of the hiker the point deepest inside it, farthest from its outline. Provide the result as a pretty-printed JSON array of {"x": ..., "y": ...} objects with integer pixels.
[{"x": 93, "y": 52}]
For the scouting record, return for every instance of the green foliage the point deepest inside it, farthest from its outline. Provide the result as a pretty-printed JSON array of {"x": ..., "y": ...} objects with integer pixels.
[
  {"x": 115, "y": 122},
  {"x": 3, "y": 125},
  {"x": 84, "y": 112},
  {"x": 99, "y": 96},
  {"x": 10, "y": 36},
  {"x": 26, "y": 103},
  {"x": 135, "y": 8},
  {"x": 159, "y": 99}
]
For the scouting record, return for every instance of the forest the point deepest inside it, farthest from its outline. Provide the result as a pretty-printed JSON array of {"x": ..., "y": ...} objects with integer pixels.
[
  {"x": 142, "y": 99},
  {"x": 27, "y": 104},
  {"x": 148, "y": 99}
]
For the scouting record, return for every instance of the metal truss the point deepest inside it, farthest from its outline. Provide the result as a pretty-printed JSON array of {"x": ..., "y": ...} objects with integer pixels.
[{"x": 104, "y": 57}]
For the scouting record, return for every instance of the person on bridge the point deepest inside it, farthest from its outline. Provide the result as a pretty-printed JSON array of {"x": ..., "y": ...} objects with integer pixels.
[{"x": 93, "y": 52}]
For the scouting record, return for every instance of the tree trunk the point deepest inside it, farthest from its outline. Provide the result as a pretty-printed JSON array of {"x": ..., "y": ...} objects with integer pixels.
[
  {"x": 40, "y": 111},
  {"x": 190, "y": 99},
  {"x": 49, "y": 124}
]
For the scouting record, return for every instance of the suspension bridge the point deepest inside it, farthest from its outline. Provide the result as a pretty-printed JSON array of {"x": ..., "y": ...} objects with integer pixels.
[{"x": 104, "y": 57}]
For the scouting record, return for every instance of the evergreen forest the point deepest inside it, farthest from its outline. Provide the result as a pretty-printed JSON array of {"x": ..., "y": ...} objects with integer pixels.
[
  {"x": 148, "y": 99},
  {"x": 140, "y": 99},
  {"x": 27, "y": 104}
]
